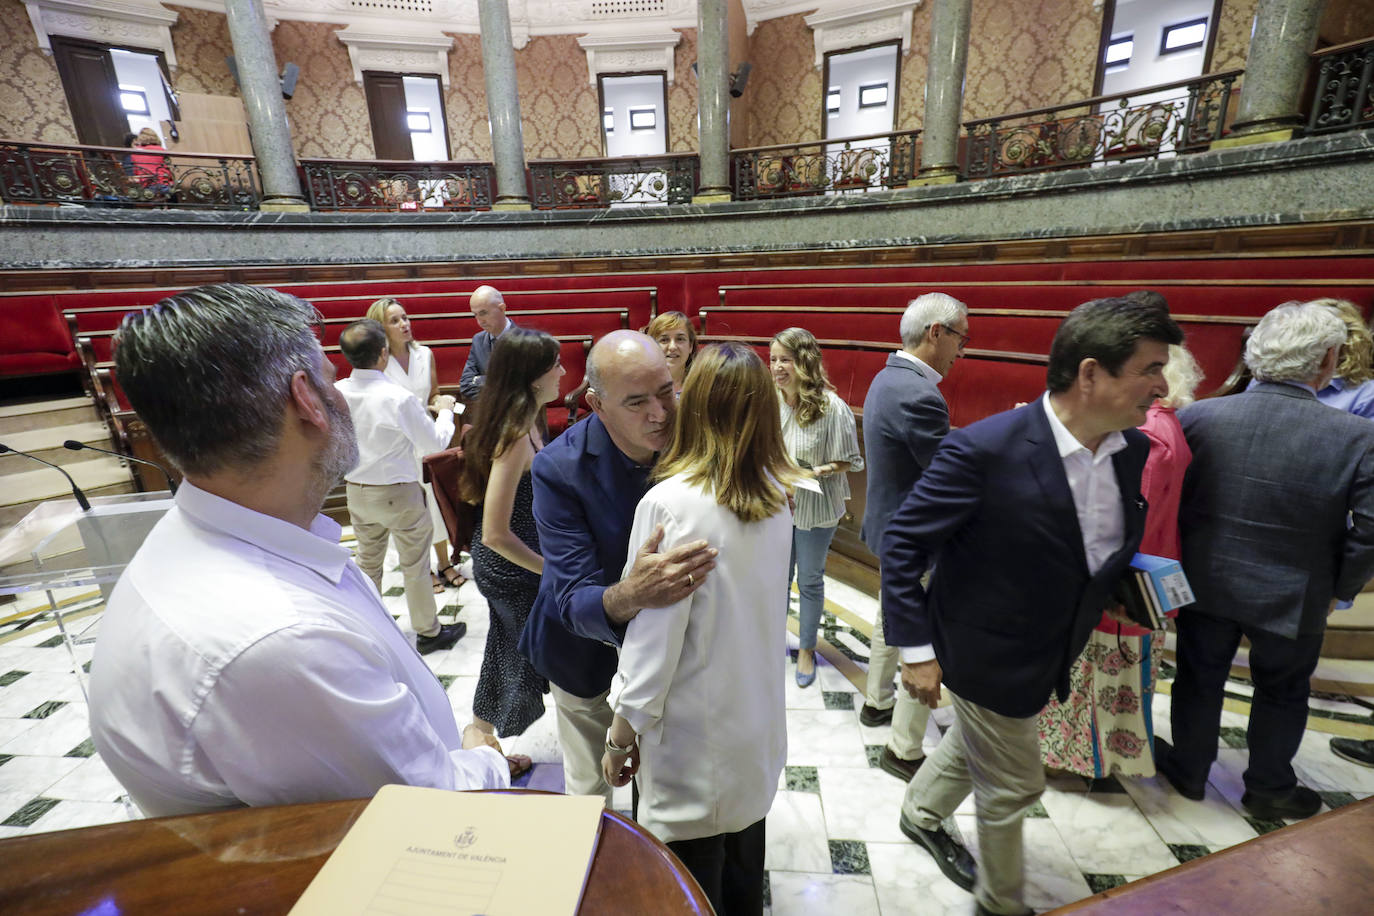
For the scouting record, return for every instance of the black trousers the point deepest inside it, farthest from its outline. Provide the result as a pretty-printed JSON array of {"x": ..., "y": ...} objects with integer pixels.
[
  {"x": 729, "y": 868},
  {"x": 1281, "y": 669}
]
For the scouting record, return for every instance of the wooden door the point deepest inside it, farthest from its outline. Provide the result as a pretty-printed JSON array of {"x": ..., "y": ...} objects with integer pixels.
[
  {"x": 88, "y": 76},
  {"x": 386, "y": 108}
]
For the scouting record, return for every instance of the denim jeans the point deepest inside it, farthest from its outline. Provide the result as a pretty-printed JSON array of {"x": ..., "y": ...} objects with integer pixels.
[{"x": 809, "y": 547}]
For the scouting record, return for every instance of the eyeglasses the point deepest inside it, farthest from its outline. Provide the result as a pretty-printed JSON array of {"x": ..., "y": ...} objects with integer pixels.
[{"x": 963, "y": 338}]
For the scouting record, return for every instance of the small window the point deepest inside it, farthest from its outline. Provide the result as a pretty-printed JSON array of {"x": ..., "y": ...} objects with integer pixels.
[
  {"x": 1118, "y": 54},
  {"x": 643, "y": 118},
  {"x": 608, "y": 120},
  {"x": 417, "y": 120},
  {"x": 1184, "y": 36},
  {"x": 832, "y": 101},
  {"x": 134, "y": 100},
  {"x": 873, "y": 95}
]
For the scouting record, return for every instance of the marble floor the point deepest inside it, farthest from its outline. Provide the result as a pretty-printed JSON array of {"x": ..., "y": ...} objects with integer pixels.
[{"x": 833, "y": 841}]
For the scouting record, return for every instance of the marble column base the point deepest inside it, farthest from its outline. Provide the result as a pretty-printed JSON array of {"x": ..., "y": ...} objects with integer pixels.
[
  {"x": 712, "y": 197},
  {"x": 936, "y": 175},
  {"x": 1282, "y": 135},
  {"x": 512, "y": 205},
  {"x": 283, "y": 205}
]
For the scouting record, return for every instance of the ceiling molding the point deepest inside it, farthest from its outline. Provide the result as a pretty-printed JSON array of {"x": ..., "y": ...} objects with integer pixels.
[
  {"x": 402, "y": 50},
  {"x": 853, "y": 25},
  {"x": 629, "y": 53},
  {"x": 123, "y": 23}
]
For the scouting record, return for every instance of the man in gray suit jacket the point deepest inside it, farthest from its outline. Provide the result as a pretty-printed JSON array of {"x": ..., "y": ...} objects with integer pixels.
[
  {"x": 1277, "y": 519},
  {"x": 905, "y": 417},
  {"x": 489, "y": 308}
]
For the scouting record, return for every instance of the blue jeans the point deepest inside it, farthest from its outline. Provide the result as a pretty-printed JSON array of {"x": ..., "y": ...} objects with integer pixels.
[{"x": 809, "y": 547}]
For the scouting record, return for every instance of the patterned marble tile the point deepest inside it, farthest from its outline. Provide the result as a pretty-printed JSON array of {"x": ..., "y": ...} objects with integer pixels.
[
  {"x": 89, "y": 781},
  {"x": 55, "y": 735},
  {"x": 861, "y": 804},
  {"x": 1212, "y": 822},
  {"x": 1103, "y": 831},
  {"x": 801, "y": 779},
  {"x": 849, "y": 857},
  {"x": 68, "y": 814},
  {"x": 30, "y": 812},
  {"x": 798, "y": 894},
  {"x": 795, "y": 834},
  {"x": 31, "y": 776},
  {"x": 909, "y": 883},
  {"x": 838, "y": 699},
  {"x": 827, "y": 737},
  {"x": 1186, "y": 853}
]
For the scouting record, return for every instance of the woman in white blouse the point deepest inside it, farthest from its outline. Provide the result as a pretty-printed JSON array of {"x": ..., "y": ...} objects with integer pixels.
[
  {"x": 818, "y": 429},
  {"x": 412, "y": 367},
  {"x": 698, "y": 697}
]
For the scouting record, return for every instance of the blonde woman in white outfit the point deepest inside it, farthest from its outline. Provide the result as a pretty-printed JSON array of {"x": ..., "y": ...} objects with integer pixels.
[
  {"x": 698, "y": 697},
  {"x": 412, "y": 367}
]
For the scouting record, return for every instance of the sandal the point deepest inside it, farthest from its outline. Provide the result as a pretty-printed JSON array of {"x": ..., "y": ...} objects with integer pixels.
[
  {"x": 438, "y": 582},
  {"x": 455, "y": 582}
]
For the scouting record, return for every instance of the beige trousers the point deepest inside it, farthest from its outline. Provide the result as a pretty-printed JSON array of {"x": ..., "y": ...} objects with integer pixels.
[
  {"x": 396, "y": 510},
  {"x": 909, "y": 717},
  {"x": 998, "y": 758},
  {"x": 582, "y": 726}
]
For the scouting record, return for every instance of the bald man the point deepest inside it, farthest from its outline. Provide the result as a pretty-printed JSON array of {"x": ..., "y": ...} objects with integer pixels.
[
  {"x": 488, "y": 306},
  {"x": 587, "y": 483}
]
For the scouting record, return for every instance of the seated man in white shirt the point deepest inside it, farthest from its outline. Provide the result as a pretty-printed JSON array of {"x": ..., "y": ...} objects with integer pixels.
[
  {"x": 244, "y": 658},
  {"x": 385, "y": 498}
]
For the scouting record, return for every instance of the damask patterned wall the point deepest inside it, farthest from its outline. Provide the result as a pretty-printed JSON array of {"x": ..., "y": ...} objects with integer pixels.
[
  {"x": 682, "y": 97},
  {"x": 465, "y": 102},
  {"x": 558, "y": 108},
  {"x": 1233, "y": 35},
  {"x": 785, "y": 88},
  {"x": 1030, "y": 54},
  {"x": 32, "y": 104},
  {"x": 328, "y": 112},
  {"x": 201, "y": 40}
]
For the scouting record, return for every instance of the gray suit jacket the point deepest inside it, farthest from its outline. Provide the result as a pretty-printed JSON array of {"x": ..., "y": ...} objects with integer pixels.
[
  {"x": 1277, "y": 514},
  {"x": 905, "y": 418},
  {"x": 475, "y": 369}
]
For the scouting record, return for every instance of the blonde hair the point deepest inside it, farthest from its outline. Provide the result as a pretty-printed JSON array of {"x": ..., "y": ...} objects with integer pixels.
[
  {"x": 812, "y": 382},
  {"x": 1357, "y": 353},
  {"x": 727, "y": 435},
  {"x": 147, "y": 136},
  {"x": 1183, "y": 375},
  {"x": 377, "y": 312}
]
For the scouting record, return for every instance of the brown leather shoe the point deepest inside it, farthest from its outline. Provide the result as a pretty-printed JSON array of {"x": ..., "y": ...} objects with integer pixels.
[
  {"x": 900, "y": 767},
  {"x": 872, "y": 716}
]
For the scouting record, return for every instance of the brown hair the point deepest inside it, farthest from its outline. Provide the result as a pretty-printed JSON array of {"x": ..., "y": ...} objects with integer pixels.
[
  {"x": 666, "y": 323},
  {"x": 727, "y": 435},
  {"x": 811, "y": 376},
  {"x": 1357, "y": 353}
]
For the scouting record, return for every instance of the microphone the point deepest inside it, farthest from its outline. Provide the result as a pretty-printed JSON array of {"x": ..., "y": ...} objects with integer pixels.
[
  {"x": 81, "y": 499},
  {"x": 78, "y": 446}
]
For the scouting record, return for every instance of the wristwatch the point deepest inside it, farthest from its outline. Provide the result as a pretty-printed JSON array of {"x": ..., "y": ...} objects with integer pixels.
[{"x": 616, "y": 749}]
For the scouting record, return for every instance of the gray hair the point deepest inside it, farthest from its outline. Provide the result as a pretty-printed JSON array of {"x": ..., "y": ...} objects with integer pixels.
[
  {"x": 924, "y": 311},
  {"x": 209, "y": 371},
  {"x": 1291, "y": 340},
  {"x": 1183, "y": 375}
]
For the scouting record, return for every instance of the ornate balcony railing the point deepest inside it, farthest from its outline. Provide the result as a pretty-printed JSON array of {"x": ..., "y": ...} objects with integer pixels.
[
  {"x": 41, "y": 173},
  {"x": 1178, "y": 117},
  {"x": 622, "y": 182},
  {"x": 337, "y": 184},
  {"x": 1343, "y": 97},
  {"x": 846, "y": 164}
]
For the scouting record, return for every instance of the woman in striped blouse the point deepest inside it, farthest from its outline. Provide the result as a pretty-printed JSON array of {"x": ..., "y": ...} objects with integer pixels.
[{"x": 818, "y": 430}]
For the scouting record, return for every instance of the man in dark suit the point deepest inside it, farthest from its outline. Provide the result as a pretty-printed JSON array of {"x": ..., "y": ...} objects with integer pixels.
[
  {"x": 489, "y": 308},
  {"x": 905, "y": 418},
  {"x": 1277, "y": 518},
  {"x": 587, "y": 483},
  {"x": 1031, "y": 518}
]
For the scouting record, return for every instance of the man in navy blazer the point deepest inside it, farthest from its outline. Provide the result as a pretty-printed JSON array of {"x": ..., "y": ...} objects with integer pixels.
[
  {"x": 488, "y": 306},
  {"x": 587, "y": 483},
  {"x": 1277, "y": 519},
  {"x": 1031, "y": 518},
  {"x": 905, "y": 418}
]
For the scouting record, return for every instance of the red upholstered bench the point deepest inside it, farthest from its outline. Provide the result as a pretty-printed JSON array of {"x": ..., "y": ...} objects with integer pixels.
[{"x": 33, "y": 338}]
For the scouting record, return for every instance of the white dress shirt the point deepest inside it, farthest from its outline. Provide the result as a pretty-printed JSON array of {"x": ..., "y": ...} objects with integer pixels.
[
  {"x": 245, "y": 660},
  {"x": 701, "y": 681},
  {"x": 937, "y": 377},
  {"x": 394, "y": 429},
  {"x": 1096, "y": 500}
]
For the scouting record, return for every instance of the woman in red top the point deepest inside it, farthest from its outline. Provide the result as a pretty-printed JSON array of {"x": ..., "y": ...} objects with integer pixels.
[
  {"x": 1105, "y": 726},
  {"x": 150, "y": 165}
]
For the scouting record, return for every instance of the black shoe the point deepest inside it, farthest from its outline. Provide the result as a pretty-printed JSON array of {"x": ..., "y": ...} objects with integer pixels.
[
  {"x": 1352, "y": 749},
  {"x": 1162, "y": 751},
  {"x": 980, "y": 910},
  {"x": 952, "y": 857},
  {"x": 900, "y": 767},
  {"x": 872, "y": 716},
  {"x": 448, "y": 634},
  {"x": 1295, "y": 804}
]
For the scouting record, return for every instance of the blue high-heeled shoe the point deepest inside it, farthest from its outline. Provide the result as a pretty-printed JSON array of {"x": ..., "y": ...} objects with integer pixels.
[{"x": 806, "y": 680}]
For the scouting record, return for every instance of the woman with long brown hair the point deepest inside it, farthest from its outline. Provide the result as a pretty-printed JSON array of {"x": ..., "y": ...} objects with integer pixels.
[
  {"x": 521, "y": 378},
  {"x": 698, "y": 696},
  {"x": 818, "y": 428}
]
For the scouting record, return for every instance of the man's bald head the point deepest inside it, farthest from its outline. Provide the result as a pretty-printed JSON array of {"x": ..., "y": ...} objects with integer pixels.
[
  {"x": 489, "y": 308},
  {"x": 631, "y": 390}
]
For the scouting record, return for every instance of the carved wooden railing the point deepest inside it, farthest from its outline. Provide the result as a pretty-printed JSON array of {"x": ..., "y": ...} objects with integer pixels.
[
  {"x": 621, "y": 182},
  {"x": 43, "y": 173},
  {"x": 337, "y": 184},
  {"x": 1179, "y": 117},
  {"x": 872, "y": 163},
  {"x": 1343, "y": 94}
]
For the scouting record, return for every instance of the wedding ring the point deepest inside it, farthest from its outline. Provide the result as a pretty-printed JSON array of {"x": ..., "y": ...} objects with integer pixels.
[{"x": 690, "y": 580}]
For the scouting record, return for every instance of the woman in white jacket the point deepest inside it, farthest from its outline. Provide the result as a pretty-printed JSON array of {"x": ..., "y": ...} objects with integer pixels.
[{"x": 699, "y": 694}]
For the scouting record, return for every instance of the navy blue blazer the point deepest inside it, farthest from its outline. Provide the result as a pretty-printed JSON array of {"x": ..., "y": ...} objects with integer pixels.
[
  {"x": 585, "y": 494},
  {"x": 1011, "y": 603},
  {"x": 475, "y": 369}
]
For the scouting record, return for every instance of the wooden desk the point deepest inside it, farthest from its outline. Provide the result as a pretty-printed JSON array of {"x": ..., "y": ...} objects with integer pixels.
[
  {"x": 1323, "y": 865},
  {"x": 259, "y": 860}
]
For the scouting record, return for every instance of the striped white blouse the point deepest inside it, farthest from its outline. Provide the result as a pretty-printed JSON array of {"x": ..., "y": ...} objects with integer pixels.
[{"x": 831, "y": 438}]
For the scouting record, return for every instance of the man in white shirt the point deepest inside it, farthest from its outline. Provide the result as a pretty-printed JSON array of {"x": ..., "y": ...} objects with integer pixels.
[
  {"x": 385, "y": 498},
  {"x": 1031, "y": 518},
  {"x": 243, "y": 657}
]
